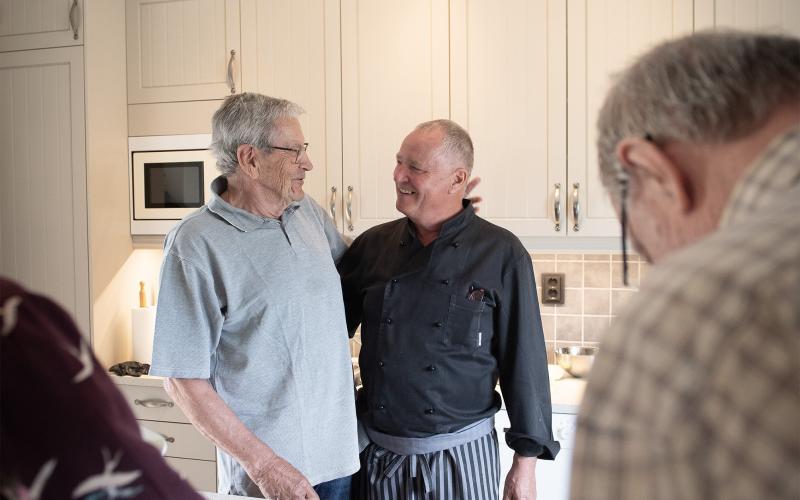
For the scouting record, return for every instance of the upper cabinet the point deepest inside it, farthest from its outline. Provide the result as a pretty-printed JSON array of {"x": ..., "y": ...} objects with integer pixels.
[
  {"x": 509, "y": 90},
  {"x": 771, "y": 16},
  {"x": 394, "y": 76},
  {"x": 182, "y": 50},
  {"x": 605, "y": 36},
  {"x": 36, "y": 24}
]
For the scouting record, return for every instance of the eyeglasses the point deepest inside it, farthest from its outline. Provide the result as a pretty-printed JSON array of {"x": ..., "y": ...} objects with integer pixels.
[
  {"x": 299, "y": 151},
  {"x": 623, "y": 221}
]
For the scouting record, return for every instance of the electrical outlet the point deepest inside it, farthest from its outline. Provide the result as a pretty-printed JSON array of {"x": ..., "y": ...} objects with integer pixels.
[{"x": 552, "y": 288}]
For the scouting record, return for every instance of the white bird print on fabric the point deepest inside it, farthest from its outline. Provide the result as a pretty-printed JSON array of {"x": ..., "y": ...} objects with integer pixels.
[
  {"x": 84, "y": 355},
  {"x": 9, "y": 313},
  {"x": 37, "y": 486},
  {"x": 109, "y": 484}
]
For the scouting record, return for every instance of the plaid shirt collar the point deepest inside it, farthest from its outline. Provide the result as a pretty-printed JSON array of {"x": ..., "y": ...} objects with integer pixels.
[{"x": 775, "y": 171}]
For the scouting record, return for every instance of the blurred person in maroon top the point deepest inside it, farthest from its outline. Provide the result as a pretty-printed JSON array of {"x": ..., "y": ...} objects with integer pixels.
[{"x": 66, "y": 431}]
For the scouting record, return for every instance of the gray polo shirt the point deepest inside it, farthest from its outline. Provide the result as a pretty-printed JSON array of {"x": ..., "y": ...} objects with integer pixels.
[{"x": 255, "y": 305}]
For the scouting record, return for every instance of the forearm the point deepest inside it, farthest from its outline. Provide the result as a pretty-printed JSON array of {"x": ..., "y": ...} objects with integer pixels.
[{"x": 215, "y": 420}]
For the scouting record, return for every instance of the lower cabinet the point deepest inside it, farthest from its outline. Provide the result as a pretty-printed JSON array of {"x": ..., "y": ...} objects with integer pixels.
[
  {"x": 552, "y": 476},
  {"x": 188, "y": 452}
]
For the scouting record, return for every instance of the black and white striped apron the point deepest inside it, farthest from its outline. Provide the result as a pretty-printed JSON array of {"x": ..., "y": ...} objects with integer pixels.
[{"x": 469, "y": 471}]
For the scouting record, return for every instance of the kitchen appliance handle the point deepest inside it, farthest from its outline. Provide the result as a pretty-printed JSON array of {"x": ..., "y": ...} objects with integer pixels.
[
  {"x": 332, "y": 205},
  {"x": 348, "y": 208},
  {"x": 74, "y": 18},
  {"x": 231, "y": 81},
  {"x": 576, "y": 207},
  {"x": 153, "y": 403},
  {"x": 557, "y": 205}
]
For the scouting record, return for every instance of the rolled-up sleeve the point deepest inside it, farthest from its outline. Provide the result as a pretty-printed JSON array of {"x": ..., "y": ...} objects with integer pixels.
[{"x": 522, "y": 361}]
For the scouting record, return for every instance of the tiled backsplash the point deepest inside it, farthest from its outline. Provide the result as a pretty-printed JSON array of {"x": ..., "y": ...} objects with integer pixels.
[{"x": 594, "y": 294}]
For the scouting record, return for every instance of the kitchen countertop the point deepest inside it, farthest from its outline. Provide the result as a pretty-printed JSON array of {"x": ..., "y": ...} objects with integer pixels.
[{"x": 566, "y": 392}]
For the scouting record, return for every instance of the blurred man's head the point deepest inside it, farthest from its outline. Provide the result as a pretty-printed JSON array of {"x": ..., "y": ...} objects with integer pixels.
[
  {"x": 684, "y": 122},
  {"x": 432, "y": 170}
]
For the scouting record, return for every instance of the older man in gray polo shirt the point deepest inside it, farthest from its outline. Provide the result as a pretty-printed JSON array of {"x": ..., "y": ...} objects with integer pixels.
[{"x": 250, "y": 329}]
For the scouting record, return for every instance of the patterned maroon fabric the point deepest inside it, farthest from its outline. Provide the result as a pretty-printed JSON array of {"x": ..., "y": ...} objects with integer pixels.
[{"x": 67, "y": 432}]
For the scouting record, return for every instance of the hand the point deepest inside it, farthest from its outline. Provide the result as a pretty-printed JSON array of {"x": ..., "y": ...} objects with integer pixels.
[
  {"x": 521, "y": 479},
  {"x": 475, "y": 199},
  {"x": 278, "y": 480}
]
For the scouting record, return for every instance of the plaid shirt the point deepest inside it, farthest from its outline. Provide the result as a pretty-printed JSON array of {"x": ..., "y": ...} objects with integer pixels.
[{"x": 696, "y": 393}]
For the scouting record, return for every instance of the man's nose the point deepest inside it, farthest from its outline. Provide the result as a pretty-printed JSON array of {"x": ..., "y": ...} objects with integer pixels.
[
  {"x": 399, "y": 173},
  {"x": 305, "y": 162}
]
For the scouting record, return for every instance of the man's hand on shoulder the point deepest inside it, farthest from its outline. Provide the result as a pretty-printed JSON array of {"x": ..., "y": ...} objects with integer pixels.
[
  {"x": 279, "y": 480},
  {"x": 521, "y": 479},
  {"x": 476, "y": 200}
]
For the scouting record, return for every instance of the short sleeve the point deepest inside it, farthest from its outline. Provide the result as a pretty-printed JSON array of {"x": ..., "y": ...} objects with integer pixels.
[{"x": 188, "y": 321}]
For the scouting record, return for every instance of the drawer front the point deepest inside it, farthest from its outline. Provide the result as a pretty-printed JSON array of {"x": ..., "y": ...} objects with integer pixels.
[
  {"x": 152, "y": 403},
  {"x": 183, "y": 440},
  {"x": 202, "y": 475},
  {"x": 564, "y": 429}
]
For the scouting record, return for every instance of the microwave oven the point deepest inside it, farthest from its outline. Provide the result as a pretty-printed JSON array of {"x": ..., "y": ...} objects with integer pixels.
[{"x": 169, "y": 178}]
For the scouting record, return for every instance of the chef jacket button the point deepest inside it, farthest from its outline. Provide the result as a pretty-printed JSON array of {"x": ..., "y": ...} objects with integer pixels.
[
  {"x": 438, "y": 324},
  {"x": 380, "y": 363},
  {"x": 430, "y": 411},
  {"x": 388, "y": 321},
  {"x": 431, "y": 368},
  {"x": 455, "y": 244},
  {"x": 381, "y": 407},
  {"x": 445, "y": 282},
  {"x": 402, "y": 243},
  {"x": 395, "y": 280}
]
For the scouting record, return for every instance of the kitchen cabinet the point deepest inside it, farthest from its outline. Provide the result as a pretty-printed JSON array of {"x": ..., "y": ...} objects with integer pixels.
[
  {"x": 772, "y": 16},
  {"x": 43, "y": 203},
  {"x": 182, "y": 50},
  {"x": 188, "y": 452},
  {"x": 552, "y": 476},
  {"x": 37, "y": 24}
]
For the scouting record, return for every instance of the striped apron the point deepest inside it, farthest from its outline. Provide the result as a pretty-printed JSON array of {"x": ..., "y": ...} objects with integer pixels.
[{"x": 464, "y": 465}]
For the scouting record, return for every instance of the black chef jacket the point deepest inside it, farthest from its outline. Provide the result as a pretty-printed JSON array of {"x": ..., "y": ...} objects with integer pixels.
[{"x": 440, "y": 323}]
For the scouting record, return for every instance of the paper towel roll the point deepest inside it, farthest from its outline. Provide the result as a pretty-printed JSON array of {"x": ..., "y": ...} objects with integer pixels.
[{"x": 143, "y": 321}]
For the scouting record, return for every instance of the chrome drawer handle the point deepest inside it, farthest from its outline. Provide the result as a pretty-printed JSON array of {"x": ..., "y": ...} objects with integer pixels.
[
  {"x": 332, "y": 210},
  {"x": 74, "y": 19},
  {"x": 168, "y": 439},
  {"x": 557, "y": 205},
  {"x": 576, "y": 207},
  {"x": 231, "y": 81},
  {"x": 348, "y": 209},
  {"x": 153, "y": 403}
]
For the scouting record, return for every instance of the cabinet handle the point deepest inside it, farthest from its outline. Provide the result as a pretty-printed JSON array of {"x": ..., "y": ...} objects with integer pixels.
[
  {"x": 557, "y": 205},
  {"x": 168, "y": 439},
  {"x": 153, "y": 403},
  {"x": 332, "y": 205},
  {"x": 74, "y": 19},
  {"x": 231, "y": 81},
  {"x": 576, "y": 207},
  {"x": 348, "y": 208}
]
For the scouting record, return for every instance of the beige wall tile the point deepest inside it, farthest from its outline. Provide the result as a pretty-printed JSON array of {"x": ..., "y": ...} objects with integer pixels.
[
  {"x": 549, "y": 327},
  {"x": 596, "y": 301},
  {"x": 573, "y": 302},
  {"x": 596, "y": 275},
  {"x": 601, "y": 257},
  {"x": 573, "y": 273},
  {"x": 569, "y": 328},
  {"x": 619, "y": 298},
  {"x": 550, "y": 347},
  {"x": 594, "y": 327},
  {"x": 569, "y": 256},
  {"x": 543, "y": 267},
  {"x": 543, "y": 256},
  {"x": 616, "y": 275}
]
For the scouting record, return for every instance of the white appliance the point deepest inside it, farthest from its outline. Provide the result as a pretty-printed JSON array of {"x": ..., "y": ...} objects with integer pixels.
[{"x": 169, "y": 178}]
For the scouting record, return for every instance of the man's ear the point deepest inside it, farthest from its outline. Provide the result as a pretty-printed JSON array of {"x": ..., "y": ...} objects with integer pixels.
[
  {"x": 648, "y": 165},
  {"x": 246, "y": 156},
  {"x": 458, "y": 180}
]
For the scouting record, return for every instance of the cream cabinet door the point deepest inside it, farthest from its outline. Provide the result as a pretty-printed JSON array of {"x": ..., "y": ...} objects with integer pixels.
[
  {"x": 508, "y": 89},
  {"x": 291, "y": 50},
  {"x": 43, "y": 218},
  {"x": 182, "y": 50},
  {"x": 772, "y": 16},
  {"x": 35, "y": 24},
  {"x": 604, "y": 37},
  {"x": 395, "y": 75}
]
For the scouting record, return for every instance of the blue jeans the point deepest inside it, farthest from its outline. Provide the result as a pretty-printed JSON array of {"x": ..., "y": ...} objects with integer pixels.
[{"x": 336, "y": 489}]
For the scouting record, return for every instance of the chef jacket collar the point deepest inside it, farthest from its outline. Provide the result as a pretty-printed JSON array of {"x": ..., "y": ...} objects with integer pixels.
[{"x": 451, "y": 226}]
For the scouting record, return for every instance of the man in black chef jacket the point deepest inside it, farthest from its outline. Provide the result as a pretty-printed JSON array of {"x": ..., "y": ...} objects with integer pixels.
[{"x": 447, "y": 306}]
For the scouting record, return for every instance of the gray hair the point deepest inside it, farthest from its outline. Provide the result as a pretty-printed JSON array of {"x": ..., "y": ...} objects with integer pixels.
[
  {"x": 456, "y": 143},
  {"x": 706, "y": 88},
  {"x": 246, "y": 118}
]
